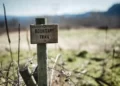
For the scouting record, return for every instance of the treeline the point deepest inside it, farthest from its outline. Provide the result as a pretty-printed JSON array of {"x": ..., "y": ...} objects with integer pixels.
[
  {"x": 94, "y": 20},
  {"x": 13, "y": 23},
  {"x": 110, "y": 18}
]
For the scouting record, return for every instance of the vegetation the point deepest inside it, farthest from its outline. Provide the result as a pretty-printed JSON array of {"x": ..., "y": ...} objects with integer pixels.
[
  {"x": 85, "y": 57},
  {"x": 75, "y": 66}
]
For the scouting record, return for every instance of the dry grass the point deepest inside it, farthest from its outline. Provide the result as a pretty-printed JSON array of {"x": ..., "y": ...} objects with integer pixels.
[
  {"x": 82, "y": 39},
  {"x": 83, "y": 59}
]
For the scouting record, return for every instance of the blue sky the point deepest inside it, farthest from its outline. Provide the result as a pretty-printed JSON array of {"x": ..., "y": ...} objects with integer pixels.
[{"x": 54, "y": 7}]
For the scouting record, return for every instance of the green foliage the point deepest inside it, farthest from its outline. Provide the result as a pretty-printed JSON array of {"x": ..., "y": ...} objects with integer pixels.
[{"x": 82, "y": 54}]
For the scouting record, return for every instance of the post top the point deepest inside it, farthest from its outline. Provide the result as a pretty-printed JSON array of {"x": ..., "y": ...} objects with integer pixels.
[{"x": 40, "y": 20}]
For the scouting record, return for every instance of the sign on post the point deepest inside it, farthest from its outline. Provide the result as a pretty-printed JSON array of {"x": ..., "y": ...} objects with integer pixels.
[
  {"x": 41, "y": 34},
  {"x": 44, "y": 34}
]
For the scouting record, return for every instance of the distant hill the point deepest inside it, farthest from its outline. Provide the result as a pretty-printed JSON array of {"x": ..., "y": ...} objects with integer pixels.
[
  {"x": 114, "y": 10},
  {"x": 110, "y": 18},
  {"x": 84, "y": 15}
]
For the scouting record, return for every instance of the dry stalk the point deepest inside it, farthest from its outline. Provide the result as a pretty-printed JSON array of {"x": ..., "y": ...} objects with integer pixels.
[
  {"x": 52, "y": 73},
  {"x": 18, "y": 52},
  {"x": 7, "y": 30},
  {"x": 9, "y": 41},
  {"x": 7, "y": 75},
  {"x": 28, "y": 42}
]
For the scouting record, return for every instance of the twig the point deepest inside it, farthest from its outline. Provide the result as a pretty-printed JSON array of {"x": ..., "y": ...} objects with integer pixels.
[
  {"x": 18, "y": 52},
  {"x": 52, "y": 74},
  {"x": 106, "y": 37},
  {"x": 27, "y": 38},
  {"x": 7, "y": 75},
  {"x": 100, "y": 81},
  {"x": 7, "y": 30},
  {"x": 9, "y": 41},
  {"x": 1, "y": 65}
]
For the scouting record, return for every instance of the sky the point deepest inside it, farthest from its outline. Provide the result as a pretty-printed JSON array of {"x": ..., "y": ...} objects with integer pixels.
[{"x": 54, "y": 7}]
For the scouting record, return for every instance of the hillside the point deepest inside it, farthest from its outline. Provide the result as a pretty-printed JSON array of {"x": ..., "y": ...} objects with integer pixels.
[{"x": 114, "y": 10}]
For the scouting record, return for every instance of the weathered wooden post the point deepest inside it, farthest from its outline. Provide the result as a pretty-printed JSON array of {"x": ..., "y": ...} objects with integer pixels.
[
  {"x": 27, "y": 76},
  {"x": 40, "y": 35}
]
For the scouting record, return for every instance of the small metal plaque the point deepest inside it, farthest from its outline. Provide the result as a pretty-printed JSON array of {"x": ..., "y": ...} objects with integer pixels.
[{"x": 43, "y": 34}]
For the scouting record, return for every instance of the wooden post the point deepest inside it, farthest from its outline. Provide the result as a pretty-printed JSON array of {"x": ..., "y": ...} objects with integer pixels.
[
  {"x": 42, "y": 59},
  {"x": 27, "y": 77},
  {"x": 41, "y": 34}
]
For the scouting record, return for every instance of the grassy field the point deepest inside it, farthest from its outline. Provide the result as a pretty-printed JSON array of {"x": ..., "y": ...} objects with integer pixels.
[{"x": 87, "y": 57}]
